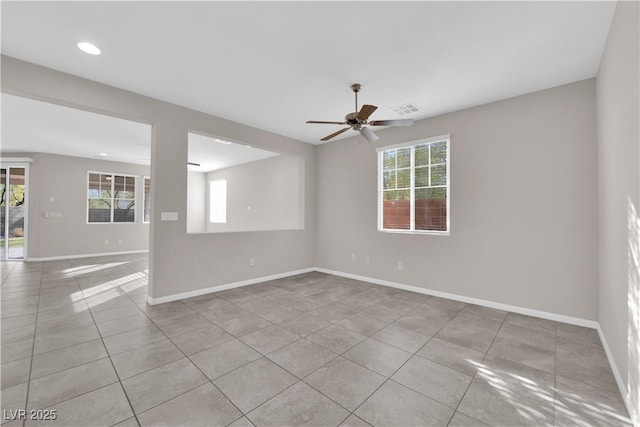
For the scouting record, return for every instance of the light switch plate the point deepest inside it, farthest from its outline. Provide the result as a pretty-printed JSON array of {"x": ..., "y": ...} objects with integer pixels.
[{"x": 168, "y": 216}]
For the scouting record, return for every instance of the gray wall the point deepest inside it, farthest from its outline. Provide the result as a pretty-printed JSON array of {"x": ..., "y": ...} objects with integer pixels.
[
  {"x": 619, "y": 197},
  {"x": 196, "y": 202},
  {"x": 65, "y": 179},
  {"x": 523, "y": 205},
  {"x": 181, "y": 262},
  {"x": 273, "y": 190}
]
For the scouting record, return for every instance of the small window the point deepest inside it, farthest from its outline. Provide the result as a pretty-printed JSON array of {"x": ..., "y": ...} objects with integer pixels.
[
  {"x": 111, "y": 198},
  {"x": 146, "y": 193},
  {"x": 218, "y": 201},
  {"x": 413, "y": 187}
]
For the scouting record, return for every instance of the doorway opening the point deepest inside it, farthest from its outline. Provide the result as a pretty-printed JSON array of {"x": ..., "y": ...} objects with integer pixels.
[{"x": 13, "y": 212}]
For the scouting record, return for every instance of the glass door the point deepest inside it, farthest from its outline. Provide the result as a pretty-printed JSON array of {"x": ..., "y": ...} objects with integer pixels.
[{"x": 13, "y": 207}]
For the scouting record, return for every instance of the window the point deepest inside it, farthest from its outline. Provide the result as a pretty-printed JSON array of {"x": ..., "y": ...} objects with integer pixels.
[
  {"x": 146, "y": 193},
  {"x": 413, "y": 187},
  {"x": 111, "y": 198},
  {"x": 218, "y": 201}
]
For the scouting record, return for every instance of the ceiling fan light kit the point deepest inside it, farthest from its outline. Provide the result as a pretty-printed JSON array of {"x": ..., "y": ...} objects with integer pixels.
[{"x": 359, "y": 120}]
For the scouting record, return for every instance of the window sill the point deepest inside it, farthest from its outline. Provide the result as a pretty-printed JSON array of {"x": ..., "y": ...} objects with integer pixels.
[{"x": 423, "y": 232}]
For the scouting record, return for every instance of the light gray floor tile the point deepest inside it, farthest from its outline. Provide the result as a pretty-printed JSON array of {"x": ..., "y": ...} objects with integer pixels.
[
  {"x": 345, "y": 382},
  {"x": 578, "y": 403},
  {"x": 66, "y": 323},
  {"x": 116, "y": 313},
  {"x": 142, "y": 359},
  {"x": 158, "y": 385},
  {"x": 133, "y": 339},
  {"x": 244, "y": 325},
  {"x": 255, "y": 383},
  {"x": 297, "y": 406},
  {"x": 354, "y": 421},
  {"x": 363, "y": 324},
  {"x": 331, "y": 313},
  {"x": 201, "y": 339},
  {"x": 396, "y": 405},
  {"x": 484, "y": 312},
  {"x": 497, "y": 407},
  {"x": 404, "y": 339},
  {"x": 591, "y": 367},
  {"x": 123, "y": 324},
  {"x": 454, "y": 356},
  {"x": 304, "y": 324},
  {"x": 269, "y": 339},
  {"x": 279, "y": 313},
  {"x": 17, "y": 334},
  {"x": 433, "y": 380},
  {"x": 383, "y": 313},
  {"x": 223, "y": 358},
  {"x": 63, "y": 385},
  {"x": 473, "y": 339},
  {"x": 102, "y": 407},
  {"x": 461, "y": 420},
  {"x": 241, "y": 422},
  {"x": 183, "y": 325},
  {"x": 168, "y": 311},
  {"x": 15, "y": 351},
  {"x": 15, "y": 372},
  {"x": 524, "y": 354},
  {"x": 378, "y": 356},
  {"x": 67, "y": 338},
  {"x": 513, "y": 377},
  {"x": 68, "y": 357},
  {"x": 302, "y": 357},
  {"x": 129, "y": 422},
  {"x": 534, "y": 337},
  {"x": 531, "y": 322},
  {"x": 336, "y": 338},
  {"x": 14, "y": 397},
  {"x": 203, "y": 406},
  {"x": 223, "y": 313}
]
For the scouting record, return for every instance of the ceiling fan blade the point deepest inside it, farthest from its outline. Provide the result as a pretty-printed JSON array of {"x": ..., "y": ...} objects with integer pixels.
[
  {"x": 366, "y": 111},
  {"x": 326, "y": 138},
  {"x": 326, "y": 123},
  {"x": 397, "y": 122},
  {"x": 193, "y": 164},
  {"x": 369, "y": 135}
]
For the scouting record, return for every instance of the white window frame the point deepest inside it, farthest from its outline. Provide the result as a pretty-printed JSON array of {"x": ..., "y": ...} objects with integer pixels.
[
  {"x": 113, "y": 175},
  {"x": 144, "y": 200},
  {"x": 223, "y": 218},
  {"x": 412, "y": 230}
]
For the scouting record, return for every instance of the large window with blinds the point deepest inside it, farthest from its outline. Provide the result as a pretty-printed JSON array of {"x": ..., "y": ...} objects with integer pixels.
[
  {"x": 111, "y": 198},
  {"x": 413, "y": 187}
]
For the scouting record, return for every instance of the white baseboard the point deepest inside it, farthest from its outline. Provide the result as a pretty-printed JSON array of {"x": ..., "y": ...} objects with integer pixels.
[
  {"x": 616, "y": 374},
  {"x": 485, "y": 303},
  {"x": 217, "y": 288},
  {"x": 57, "y": 258}
]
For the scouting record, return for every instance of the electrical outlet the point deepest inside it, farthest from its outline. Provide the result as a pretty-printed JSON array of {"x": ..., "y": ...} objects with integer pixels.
[
  {"x": 400, "y": 265},
  {"x": 252, "y": 261},
  {"x": 119, "y": 241},
  {"x": 353, "y": 257},
  {"x": 106, "y": 242},
  {"x": 367, "y": 260}
]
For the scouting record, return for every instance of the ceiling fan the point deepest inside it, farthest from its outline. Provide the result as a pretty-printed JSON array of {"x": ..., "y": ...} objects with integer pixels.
[{"x": 358, "y": 120}]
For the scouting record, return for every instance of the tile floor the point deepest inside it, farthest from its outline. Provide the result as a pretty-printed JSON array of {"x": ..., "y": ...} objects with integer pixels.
[{"x": 316, "y": 350}]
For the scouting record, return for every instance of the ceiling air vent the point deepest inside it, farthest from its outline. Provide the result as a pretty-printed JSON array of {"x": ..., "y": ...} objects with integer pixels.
[{"x": 404, "y": 109}]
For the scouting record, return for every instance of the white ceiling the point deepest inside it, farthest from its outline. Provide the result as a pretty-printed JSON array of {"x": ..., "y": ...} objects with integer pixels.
[
  {"x": 274, "y": 65},
  {"x": 212, "y": 155},
  {"x": 34, "y": 126}
]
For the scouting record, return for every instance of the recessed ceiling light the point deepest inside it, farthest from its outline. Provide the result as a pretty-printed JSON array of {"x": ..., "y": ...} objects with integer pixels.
[
  {"x": 89, "y": 48},
  {"x": 222, "y": 141},
  {"x": 248, "y": 146},
  {"x": 103, "y": 154}
]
